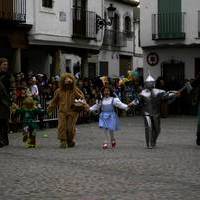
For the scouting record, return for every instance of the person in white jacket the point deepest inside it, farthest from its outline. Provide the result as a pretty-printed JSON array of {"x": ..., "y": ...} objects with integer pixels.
[
  {"x": 34, "y": 88},
  {"x": 108, "y": 119}
]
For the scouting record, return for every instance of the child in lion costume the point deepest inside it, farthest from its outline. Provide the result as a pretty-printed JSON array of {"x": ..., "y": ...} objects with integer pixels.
[{"x": 64, "y": 99}]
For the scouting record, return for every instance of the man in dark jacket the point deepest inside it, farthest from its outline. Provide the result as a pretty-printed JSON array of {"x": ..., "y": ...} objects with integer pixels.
[
  {"x": 6, "y": 85},
  {"x": 196, "y": 85}
]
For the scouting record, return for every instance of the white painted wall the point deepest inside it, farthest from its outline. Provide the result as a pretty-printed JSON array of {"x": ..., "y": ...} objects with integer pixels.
[
  {"x": 48, "y": 28},
  {"x": 123, "y": 10},
  {"x": 138, "y": 52},
  {"x": 29, "y": 12},
  {"x": 112, "y": 56},
  {"x": 185, "y": 55},
  {"x": 190, "y": 8}
]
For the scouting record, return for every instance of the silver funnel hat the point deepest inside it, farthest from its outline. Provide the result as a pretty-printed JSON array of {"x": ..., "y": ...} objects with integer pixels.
[{"x": 149, "y": 83}]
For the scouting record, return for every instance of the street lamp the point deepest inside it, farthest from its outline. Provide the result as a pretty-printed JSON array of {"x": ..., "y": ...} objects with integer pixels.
[{"x": 100, "y": 22}]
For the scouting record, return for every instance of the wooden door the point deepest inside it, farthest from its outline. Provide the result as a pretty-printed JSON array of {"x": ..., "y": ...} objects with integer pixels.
[
  {"x": 6, "y": 9},
  {"x": 173, "y": 74}
]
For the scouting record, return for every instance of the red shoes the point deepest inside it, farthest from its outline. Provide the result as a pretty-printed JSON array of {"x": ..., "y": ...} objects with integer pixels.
[
  {"x": 113, "y": 143},
  {"x": 105, "y": 146}
]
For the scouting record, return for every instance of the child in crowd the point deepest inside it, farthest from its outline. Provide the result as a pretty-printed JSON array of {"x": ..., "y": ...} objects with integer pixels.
[
  {"x": 28, "y": 114},
  {"x": 108, "y": 119}
]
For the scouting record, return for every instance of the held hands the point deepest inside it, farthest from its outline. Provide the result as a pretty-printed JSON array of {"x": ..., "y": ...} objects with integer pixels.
[
  {"x": 87, "y": 107},
  {"x": 83, "y": 101},
  {"x": 130, "y": 104},
  {"x": 178, "y": 94}
]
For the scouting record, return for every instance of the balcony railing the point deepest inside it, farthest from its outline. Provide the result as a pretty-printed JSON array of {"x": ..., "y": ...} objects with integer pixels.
[
  {"x": 168, "y": 26},
  {"x": 114, "y": 39},
  {"x": 13, "y": 10},
  {"x": 84, "y": 24}
]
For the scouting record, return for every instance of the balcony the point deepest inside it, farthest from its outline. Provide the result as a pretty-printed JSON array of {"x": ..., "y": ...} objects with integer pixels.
[
  {"x": 13, "y": 11},
  {"x": 114, "y": 39},
  {"x": 168, "y": 26},
  {"x": 84, "y": 24}
]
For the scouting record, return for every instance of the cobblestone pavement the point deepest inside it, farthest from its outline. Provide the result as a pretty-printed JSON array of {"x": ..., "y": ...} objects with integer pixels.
[{"x": 130, "y": 172}]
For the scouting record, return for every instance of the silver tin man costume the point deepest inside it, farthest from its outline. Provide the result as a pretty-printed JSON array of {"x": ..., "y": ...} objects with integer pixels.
[{"x": 149, "y": 99}]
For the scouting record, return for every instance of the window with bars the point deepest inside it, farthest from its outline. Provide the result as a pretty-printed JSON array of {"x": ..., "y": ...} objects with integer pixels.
[
  {"x": 127, "y": 27},
  {"x": 47, "y": 3}
]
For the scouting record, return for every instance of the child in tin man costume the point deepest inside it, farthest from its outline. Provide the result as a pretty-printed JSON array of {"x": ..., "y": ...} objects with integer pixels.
[
  {"x": 28, "y": 114},
  {"x": 149, "y": 99}
]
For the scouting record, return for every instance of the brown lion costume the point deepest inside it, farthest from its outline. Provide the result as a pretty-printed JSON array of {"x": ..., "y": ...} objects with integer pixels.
[{"x": 64, "y": 98}]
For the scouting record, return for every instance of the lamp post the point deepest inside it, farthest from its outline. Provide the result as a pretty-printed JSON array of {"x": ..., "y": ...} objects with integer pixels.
[{"x": 100, "y": 22}]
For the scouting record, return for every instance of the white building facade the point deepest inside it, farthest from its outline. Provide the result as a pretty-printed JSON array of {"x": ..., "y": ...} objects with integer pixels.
[
  {"x": 117, "y": 53},
  {"x": 170, "y": 38},
  {"x": 52, "y": 37},
  {"x": 50, "y": 30},
  {"x": 62, "y": 28}
]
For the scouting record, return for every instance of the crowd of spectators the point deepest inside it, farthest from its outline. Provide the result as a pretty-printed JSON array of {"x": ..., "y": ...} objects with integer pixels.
[{"x": 42, "y": 89}]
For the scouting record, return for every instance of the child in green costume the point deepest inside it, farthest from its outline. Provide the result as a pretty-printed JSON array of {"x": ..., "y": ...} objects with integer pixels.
[{"x": 28, "y": 114}]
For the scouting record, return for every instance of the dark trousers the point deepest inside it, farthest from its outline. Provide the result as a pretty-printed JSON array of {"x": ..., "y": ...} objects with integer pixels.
[
  {"x": 4, "y": 131},
  {"x": 198, "y": 127}
]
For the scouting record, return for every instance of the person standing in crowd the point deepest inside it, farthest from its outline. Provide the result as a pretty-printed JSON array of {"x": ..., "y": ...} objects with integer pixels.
[
  {"x": 34, "y": 88},
  {"x": 149, "y": 99},
  {"x": 196, "y": 85},
  {"x": 108, "y": 119},
  {"x": 64, "y": 99},
  {"x": 6, "y": 86}
]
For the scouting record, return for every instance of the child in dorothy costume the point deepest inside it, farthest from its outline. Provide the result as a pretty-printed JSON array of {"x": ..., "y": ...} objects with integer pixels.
[{"x": 108, "y": 119}]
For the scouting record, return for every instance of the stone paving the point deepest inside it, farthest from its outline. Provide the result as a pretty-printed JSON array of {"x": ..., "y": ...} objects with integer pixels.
[{"x": 130, "y": 172}]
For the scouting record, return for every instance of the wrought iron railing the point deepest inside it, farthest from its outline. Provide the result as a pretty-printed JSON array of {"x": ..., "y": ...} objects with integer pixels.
[
  {"x": 13, "y": 10},
  {"x": 84, "y": 24},
  {"x": 168, "y": 26},
  {"x": 114, "y": 39}
]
